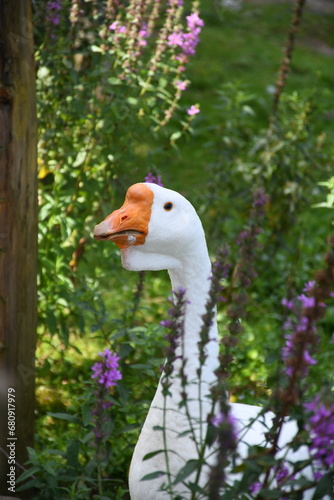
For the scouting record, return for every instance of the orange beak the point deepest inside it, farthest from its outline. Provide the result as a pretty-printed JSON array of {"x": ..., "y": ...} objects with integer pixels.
[{"x": 128, "y": 226}]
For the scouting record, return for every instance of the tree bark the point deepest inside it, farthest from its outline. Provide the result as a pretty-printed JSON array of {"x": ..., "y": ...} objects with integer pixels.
[{"x": 18, "y": 236}]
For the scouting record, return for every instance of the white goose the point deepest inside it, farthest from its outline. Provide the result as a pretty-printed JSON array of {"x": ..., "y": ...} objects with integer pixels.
[{"x": 156, "y": 229}]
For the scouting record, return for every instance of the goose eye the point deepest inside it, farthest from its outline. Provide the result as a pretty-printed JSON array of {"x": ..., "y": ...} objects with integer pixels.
[{"x": 168, "y": 206}]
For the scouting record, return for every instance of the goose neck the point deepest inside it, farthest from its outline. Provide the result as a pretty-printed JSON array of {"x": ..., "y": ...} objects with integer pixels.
[{"x": 194, "y": 277}]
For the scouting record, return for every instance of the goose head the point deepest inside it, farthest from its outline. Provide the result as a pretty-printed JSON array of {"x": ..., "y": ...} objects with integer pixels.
[{"x": 156, "y": 228}]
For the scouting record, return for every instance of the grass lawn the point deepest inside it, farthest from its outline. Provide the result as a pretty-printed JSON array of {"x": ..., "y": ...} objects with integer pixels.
[{"x": 246, "y": 46}]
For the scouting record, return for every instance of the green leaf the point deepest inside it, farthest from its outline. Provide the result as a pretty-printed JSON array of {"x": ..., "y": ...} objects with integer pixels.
[
  {"x": 81, "y": 156},
  {"x": 324, "y": 487},
  {"x": 49, "y": 469},
  {"x": 129, "y": 428},
  {"x": 32, "y": 454},
  {"x": 95, "y": 48},
  {"x": 88, "y": 437},
  {"x": 33, "y": 483},
  {"x": 175, "y": 136},
  {"x": 271, "y": 493},
  {"x": 65, "y": 416},
  {"x": 152, "y": 454},
  {"x": 132, "y": 100},
  {"x": 72, "y": 453},
  {"x": 158, "y": 428},
  {"x": 114, "y": 81},
  {"x": 28, "y": 473},
  {"x": 186, "y": 470},
  {"x": 86, "y": 414},
  {"x": 153, "y": 475}
]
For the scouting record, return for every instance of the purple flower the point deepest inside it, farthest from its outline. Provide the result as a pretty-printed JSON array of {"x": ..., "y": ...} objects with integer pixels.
[
  {"x": 289, "y": 354},
  {"x": 308, "y": 360},
  {"x": 193, "y": 110},
  {"x": 306, "y": 301},
  {"x": 107, "y": 371},
  {"x": 321, "y": 428},
  {"x": 53, "y": 11},
  {"x": 287, "y": 303},
  {"x": 260, "y": 198},
  {"x": 303, "y": 325},
  {"x": 154, "y": 179},
  {"x": 255, "y": 488},
  {"x": 175, "y": 325},
  {"x": 282, "y": 473},
  {"x": 243, "y": 235},
  {"x": 55, "y": 5},
  {"x": 228, "y": 420},
  {"x": 309, "y": 286},
  {"x": 167, "y": 323}
]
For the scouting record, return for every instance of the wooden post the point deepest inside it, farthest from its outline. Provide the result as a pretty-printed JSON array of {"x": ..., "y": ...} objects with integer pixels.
[{"x": 18, "y": 238}]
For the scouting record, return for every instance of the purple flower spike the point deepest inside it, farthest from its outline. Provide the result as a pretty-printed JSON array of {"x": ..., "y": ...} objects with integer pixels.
[
  {"x": 260, "y": 198},
  {"x": 255, "y": 488},
  {"x": 154, "y": 179},
  {"x": 107, "y": 371},
  {"x": 228, "y": 420},
  {"x": 321, "y": 429}
]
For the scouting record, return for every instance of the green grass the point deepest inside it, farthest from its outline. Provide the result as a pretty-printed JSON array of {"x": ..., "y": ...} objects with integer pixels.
[{"x": 247, "y": 47}]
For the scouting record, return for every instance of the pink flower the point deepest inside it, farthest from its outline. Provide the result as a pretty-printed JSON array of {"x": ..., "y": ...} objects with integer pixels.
[
  {"x": 143, "y": 34},
  {"x": 193, "y": 110},
  {"x": 181, "y": 85},
  {"x": 176, "y": 39},
  {"x": 117, "y": 28},
  {"x": 194, "y": 20}
]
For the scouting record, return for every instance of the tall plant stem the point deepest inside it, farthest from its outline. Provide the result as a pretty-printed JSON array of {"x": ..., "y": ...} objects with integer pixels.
[
  {"x": 286, "y": 62},
  {"x": 165, "y": 444}
]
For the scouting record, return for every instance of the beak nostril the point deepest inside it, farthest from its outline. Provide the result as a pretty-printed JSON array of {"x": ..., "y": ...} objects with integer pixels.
[{"x": 124, "y": 217}]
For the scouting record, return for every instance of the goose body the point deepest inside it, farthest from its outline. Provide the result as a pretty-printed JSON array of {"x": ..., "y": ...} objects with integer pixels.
[{"x": 157, "y": 229}]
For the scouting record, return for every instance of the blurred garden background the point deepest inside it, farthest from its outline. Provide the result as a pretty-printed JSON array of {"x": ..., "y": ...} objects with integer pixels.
[{"x": 111, "y": 113}]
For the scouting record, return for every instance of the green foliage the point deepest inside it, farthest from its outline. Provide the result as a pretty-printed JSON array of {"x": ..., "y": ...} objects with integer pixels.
[
  {"x": 288, "y": 160},
  {"x": 97, "y": 105},
  {"x": 82, "y": 469},
  {"x": 329, "y": 203}
]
